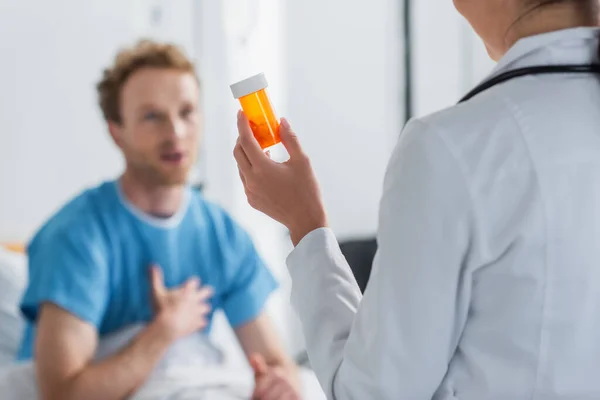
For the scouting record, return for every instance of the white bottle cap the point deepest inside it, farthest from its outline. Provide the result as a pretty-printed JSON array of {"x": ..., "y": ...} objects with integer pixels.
[{"x": 249, "y": 85}]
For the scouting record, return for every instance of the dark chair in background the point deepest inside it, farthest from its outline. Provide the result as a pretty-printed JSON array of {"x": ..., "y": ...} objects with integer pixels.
[{"x": 359, "y": 254}]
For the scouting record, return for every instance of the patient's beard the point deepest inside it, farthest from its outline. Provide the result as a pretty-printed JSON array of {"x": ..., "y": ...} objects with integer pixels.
[
  {"x": 151, "y": 176},
  {"x": 148, "y": 170}
]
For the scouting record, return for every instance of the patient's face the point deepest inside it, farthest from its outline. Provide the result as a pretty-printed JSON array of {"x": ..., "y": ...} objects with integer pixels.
[{"x": 160, "y": 125}]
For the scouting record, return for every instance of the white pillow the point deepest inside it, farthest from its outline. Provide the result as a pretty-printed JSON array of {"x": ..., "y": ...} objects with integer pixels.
[{"x": 13, "y": 280}]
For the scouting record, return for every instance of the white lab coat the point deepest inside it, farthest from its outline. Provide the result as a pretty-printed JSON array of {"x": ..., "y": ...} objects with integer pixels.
[{"x": 486, "y": 284}]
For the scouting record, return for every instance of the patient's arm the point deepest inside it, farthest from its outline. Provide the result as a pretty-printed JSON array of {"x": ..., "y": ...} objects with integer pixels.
[
  {"x": 259, "y": 337},
  {"x": 65, "y": 347}
]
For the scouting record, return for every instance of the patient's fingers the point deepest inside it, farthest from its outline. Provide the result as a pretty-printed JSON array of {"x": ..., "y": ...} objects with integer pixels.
[
  {"x": 204, "y": 293},
  {"x": 201, "y": 314},
  {"x": 204, "y": 308},
  {"x": 201, "y": 323},
  {"x": 264, "y": 384},
  {"x": 290, "y": 395},
  {"x": 259, "y": 365},
  {"x": 276, "y": 391},
  {"x": 192, "y": 284}
]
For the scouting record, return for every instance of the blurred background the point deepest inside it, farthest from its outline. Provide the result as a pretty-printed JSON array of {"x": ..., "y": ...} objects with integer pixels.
[{"x": 346, "y": 73}]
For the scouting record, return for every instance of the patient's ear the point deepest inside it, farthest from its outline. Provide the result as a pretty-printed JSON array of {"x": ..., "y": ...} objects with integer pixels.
[{"x": 115, "y": 129}]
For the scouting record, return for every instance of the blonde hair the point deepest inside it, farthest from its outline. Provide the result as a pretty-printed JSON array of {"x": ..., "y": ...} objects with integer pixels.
[{"x": 145, "y": 53}]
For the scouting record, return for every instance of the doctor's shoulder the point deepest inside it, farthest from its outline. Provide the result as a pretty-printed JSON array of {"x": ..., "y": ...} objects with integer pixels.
[
  {"x": 471, "y": 126},
  {"x": 464, "y": 143},
  {"x": 481, "y": 112}
]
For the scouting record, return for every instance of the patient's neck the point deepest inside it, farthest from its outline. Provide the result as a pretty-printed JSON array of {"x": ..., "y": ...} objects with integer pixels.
[{"x": 158, "y": 200}]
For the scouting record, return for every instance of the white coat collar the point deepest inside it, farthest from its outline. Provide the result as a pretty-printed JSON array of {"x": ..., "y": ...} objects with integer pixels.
[{"x": 575, "y": 46}]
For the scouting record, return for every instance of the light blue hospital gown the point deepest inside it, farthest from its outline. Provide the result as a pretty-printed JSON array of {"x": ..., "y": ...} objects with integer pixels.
[{"x": 93, "y": 257}]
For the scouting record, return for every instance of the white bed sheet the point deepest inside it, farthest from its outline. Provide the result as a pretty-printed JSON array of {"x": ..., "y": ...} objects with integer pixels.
[
  {"x": 190, "y": 371},
  {"x": 216, "y": 383},
  {"x": 17, "y": 382}
]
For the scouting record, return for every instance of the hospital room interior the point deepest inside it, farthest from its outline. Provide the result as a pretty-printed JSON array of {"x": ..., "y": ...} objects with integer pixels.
[{"x": 348, "y": 74}]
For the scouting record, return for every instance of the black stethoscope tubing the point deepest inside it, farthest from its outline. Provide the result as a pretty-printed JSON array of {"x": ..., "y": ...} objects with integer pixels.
[{"x": 527, "y": 71}]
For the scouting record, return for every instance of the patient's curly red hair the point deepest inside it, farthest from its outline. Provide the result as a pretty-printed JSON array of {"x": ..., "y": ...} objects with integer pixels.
[{"x": 145, "y": 53}]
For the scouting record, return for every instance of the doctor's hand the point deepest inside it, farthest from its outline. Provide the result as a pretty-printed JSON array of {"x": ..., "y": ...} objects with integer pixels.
[
  {"x": 287, "y": 192},
  {"x": 180, "y": 311},
  {"x": 272, "y": 383}
]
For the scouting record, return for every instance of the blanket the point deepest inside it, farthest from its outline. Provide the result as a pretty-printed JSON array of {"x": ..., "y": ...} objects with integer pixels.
[{"x": 192, "y": 370}]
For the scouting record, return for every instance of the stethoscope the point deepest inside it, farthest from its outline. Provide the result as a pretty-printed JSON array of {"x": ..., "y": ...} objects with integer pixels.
[{"x": 538, "y": 70}]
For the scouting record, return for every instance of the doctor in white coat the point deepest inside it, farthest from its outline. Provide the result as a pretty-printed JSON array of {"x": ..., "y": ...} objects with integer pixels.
[{"x": 486, "y": 284}]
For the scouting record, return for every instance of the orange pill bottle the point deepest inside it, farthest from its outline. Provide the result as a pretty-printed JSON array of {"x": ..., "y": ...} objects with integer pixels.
[{"x": 255, "y": 102}]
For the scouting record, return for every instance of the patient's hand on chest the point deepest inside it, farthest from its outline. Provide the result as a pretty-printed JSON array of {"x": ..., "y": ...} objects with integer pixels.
[{"x": 182, "y": 310}]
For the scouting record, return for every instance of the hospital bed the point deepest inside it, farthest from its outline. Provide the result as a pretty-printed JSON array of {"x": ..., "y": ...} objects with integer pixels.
[{"x": 178, "y": 377}]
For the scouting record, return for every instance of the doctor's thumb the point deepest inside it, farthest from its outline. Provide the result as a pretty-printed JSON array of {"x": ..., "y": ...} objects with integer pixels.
[{"x": 289, "y": 139}]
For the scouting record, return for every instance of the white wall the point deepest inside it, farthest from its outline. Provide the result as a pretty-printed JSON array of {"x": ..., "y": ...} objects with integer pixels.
[
  {"x": 448, "y": 57},
  {"x": 345, "y": 89},
  {"x": 165, "y": 20},
  {"x": 344, "y": 100},
  {"x": 236, "y": 39},
  {"x": 333, "y": 71},
  {"x": 53, "y": 141},
  {"x": 333, "y": 68}
]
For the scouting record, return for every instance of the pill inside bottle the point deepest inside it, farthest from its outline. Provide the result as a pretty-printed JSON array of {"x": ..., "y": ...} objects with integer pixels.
[{"x": 254, "y": 99}]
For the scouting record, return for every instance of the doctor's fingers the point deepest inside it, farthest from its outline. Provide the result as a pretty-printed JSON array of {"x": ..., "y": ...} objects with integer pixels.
[
  {"x": 242, "y": 178},
  {"x": 254, "y": 199},
  {"x": 248, "y": 143},
  {"x": 240, "y": 157}
]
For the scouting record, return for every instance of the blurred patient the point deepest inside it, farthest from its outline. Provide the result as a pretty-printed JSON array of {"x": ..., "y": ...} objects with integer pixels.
[{"x": 145, "y": 248}]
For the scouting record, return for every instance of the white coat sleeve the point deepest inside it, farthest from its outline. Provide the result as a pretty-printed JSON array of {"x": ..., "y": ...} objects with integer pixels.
[{"x": 395, "y": 342}]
